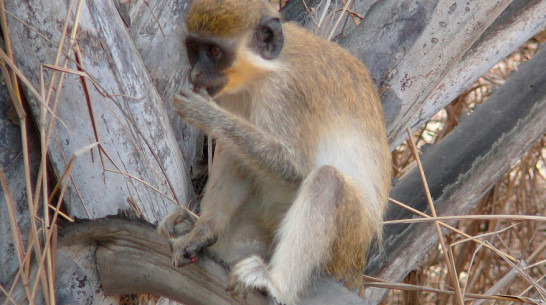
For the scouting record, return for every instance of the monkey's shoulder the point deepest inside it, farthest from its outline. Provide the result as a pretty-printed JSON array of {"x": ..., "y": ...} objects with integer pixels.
[{"x": 315, "y": 48}]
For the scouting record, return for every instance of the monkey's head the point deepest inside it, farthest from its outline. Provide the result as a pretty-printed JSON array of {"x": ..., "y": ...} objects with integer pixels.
[{"x": 231, "y": 42}]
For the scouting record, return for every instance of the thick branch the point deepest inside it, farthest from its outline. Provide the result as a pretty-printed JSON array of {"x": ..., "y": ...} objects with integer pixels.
[
  {"x": 132, "y": 258},
  {"x": 463, "y": 166},
  {"x": 116, "y": 105},
  {"x": 429, "y": 52}
]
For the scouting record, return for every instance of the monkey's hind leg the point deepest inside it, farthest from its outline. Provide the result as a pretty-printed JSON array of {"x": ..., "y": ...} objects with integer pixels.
[{"x": 326, "y": 228}]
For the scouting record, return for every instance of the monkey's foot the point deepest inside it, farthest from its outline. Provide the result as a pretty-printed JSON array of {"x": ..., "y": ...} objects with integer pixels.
[
  {"x": 176, "y": 224},
  {"x": 237, "y": 289},
  {"x": 250, "y": 273}
]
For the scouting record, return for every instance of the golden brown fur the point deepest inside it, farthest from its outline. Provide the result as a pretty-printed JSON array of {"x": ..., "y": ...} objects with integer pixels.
[
  {"x": 225, "y": 18},
  {"x": 302, "y": 163}
]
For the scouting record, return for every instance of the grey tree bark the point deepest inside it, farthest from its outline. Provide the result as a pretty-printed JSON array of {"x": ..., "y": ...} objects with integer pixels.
[
  {"x": 141, "y": 163},
  {"x": 421, "y": 54},
  {"x": 460, "y": 170}
]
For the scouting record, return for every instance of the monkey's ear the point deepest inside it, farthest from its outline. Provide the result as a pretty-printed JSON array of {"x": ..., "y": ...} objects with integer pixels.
[{"x": 269, "y": 37}]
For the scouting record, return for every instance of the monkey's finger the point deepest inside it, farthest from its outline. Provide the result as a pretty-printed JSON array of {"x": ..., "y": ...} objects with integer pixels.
[
  {"x": 180, "y": 104},
  {"x": 188, "y": 92},
  {"x": 202, "y": 92},
  {"x": 179, "y": 98},
  {"x": 180, "y": 261},
  {"x": 192, "y": 257},
  {"x": 185, "y": 100},
  {"x": 236, "y": 289},
  {"x": 198, "y": 93}
]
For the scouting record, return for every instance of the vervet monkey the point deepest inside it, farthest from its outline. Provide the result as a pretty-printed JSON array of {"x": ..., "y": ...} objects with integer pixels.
[{"x": 301, "y": 163}]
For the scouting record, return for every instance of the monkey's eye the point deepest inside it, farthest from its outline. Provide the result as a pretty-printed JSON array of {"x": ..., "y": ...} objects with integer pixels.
[{"x": 215, "y": 52}]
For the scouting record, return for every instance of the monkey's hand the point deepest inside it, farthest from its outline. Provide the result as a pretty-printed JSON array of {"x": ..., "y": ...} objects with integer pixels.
[
  {"x": 185, "y": 248},
  {"x": 196, "y": 108},
  {"x": 176, "y": 224},
  {"x": 186, "y": 237}
]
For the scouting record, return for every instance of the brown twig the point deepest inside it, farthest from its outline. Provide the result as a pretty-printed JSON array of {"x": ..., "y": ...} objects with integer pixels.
[
  {"x": 447, "y": 257},
  {"x": 379, "y": 283},
  {"x": 468, "y": 217},
  {"x": 446, "y": 226}
]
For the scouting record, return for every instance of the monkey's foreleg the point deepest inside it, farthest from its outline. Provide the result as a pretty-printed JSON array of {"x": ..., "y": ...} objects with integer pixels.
[
  {"x": 258, "y": 147},
  {"x": 226, "y": 190}
]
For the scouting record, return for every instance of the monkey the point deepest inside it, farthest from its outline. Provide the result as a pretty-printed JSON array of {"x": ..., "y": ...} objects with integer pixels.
[{"x": 302, "y": 164}]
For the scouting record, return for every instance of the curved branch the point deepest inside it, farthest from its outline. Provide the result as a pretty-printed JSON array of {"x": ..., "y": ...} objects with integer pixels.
[{"x": 133, "y": 258}]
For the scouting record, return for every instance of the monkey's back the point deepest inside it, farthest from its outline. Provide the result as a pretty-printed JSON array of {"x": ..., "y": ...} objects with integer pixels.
[
  {"x": 353, "y": 126},
  {"x": 342, "y": 77},
  {"x": 340, "y": 101}
]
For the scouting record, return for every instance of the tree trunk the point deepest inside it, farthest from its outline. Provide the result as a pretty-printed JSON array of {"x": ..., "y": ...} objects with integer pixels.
[
  {"x": 422, "y": 55},
  {"x": 138, "y": 164}
]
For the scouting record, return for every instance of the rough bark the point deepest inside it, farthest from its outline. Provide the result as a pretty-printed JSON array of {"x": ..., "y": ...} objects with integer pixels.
[
  {"x": 428, "y": 52},
  {"x": 464, "y": 166},
  {"x": 133, "y": 258},
  {"x": 13, "y": 169},
  {"x": 157, "y": 31},
  {"x": 130, "y": 123},
  {"x": 130, "y": 120},
  {"x": 297, "y": 10}
]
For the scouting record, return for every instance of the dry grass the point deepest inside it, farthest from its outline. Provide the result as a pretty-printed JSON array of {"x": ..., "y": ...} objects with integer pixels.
[
  {"x": 521, "y": 191},
  {"x": 41, "y": 246}
]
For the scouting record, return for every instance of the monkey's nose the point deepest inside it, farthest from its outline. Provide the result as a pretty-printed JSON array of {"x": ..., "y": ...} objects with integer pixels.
[{"x": 194, "y": 75}]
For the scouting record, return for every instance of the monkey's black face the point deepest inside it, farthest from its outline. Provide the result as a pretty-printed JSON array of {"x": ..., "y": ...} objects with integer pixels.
[
  {"x": 212, "y": 57},
  {"x": 209, "y": 58}
]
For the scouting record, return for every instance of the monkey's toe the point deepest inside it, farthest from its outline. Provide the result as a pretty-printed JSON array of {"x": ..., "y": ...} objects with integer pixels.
[
  {"x": 250, "y": 273},
  {"x": 181, "y": 256},
  {"x": 235, "y": 288}
]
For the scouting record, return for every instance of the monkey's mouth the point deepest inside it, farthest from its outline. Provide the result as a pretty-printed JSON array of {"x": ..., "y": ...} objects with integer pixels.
[
  {"x": 197, "y": 88},
  {"x": 211, "y": 90}
]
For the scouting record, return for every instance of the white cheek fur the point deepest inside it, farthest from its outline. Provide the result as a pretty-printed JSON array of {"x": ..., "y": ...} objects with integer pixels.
[{"x": 256, "y": 60}]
